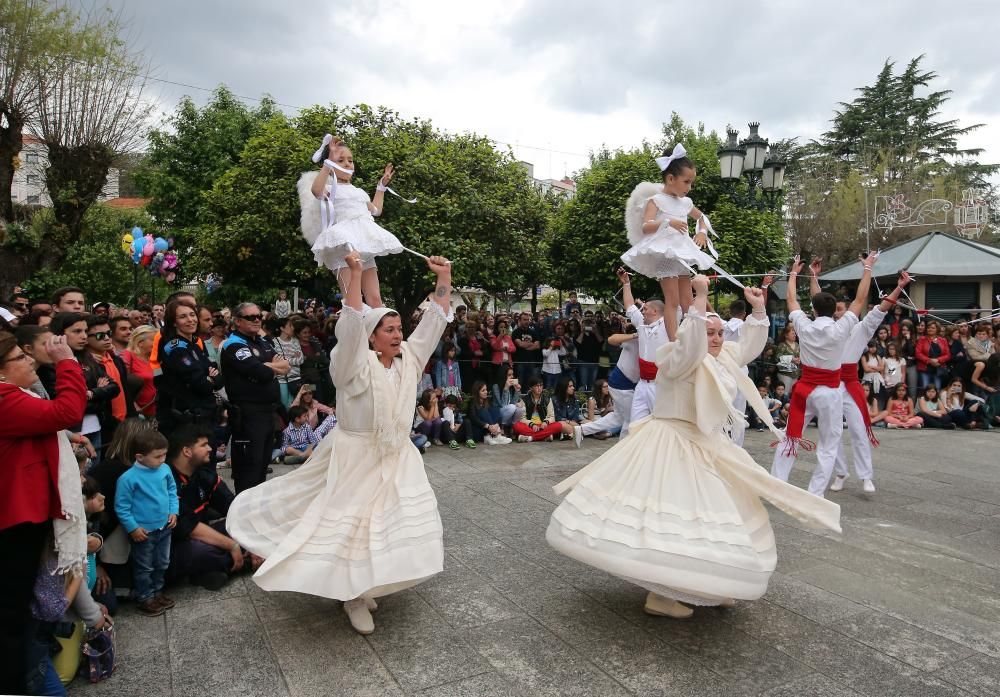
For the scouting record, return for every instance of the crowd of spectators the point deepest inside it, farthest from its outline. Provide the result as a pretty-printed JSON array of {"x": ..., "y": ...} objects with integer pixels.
[{"x": 154, "y": 399}]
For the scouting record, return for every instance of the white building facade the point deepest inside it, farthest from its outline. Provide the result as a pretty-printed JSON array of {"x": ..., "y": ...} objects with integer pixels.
[{"x": 29, "y": 178}]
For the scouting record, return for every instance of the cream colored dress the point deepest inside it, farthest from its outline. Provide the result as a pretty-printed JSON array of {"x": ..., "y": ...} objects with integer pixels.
[
  {"x": 675, "y": 508},
  {"x": 358, "y": 518}
]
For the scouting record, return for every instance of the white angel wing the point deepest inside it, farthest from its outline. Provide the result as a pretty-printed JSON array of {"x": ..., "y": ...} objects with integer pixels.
[
  {"x": 634, "y": 208},
  {"x": 312, "y": 224}
]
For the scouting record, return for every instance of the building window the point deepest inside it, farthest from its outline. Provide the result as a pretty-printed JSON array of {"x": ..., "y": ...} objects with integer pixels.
[
  {"x": 31, "y": 157},
  {"x": 33, "y": 200},
  {"x": 32, "y": 178}
]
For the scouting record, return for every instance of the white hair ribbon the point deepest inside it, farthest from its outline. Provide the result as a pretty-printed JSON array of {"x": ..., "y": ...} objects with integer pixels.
[
  {"x": 318, "y": 155},
  {"x": 343, "y": 170},
  {"x": 677, "y": 153}
]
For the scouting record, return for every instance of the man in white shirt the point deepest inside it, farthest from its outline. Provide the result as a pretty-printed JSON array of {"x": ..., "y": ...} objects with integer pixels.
[
  {"x": 651, "y": 335},
  {"x": 817, "y": 392},
  {"x": 855, "y": 408},
  {"x": 621, "y": 385}
]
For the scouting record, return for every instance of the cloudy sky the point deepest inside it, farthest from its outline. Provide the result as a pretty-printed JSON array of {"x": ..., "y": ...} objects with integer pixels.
[{"x": 558, "y": 79}]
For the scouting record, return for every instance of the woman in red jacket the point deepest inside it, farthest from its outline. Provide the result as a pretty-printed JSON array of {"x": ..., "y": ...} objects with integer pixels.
[
  {"x": 933, "y": 355},
  {"x": 29, "y": 497},
  {"x": 503, "y": 347}
]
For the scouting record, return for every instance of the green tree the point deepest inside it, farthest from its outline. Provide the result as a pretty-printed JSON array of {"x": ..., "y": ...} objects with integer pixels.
[
  {"x": 474, "y": 205},
  {"x": 753, "y": 241},
  {"x": 197, "y": 147}
]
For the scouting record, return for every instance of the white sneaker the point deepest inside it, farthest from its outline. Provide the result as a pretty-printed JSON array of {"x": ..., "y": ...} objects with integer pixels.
[
  {"x": 578, "y": 436},
  {"x": 869, "y": 486},
  {"x": 838, "y": 483},
  {"x": 491, "y": 440},
  {"x": 359, "y": 615},
  {"x": 503, "y": 440},
  {"x": 524, "y": 439}
]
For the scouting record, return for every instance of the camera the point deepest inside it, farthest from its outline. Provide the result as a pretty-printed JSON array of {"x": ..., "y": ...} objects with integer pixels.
[{"x": 556, "y": 343}]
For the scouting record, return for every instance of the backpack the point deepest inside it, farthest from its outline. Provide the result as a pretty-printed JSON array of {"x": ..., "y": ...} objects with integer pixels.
[{"x": 99, "y": 656}]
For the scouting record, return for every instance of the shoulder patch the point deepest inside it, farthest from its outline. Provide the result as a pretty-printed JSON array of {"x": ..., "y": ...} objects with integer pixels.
[{"x": 243, "y": 353}]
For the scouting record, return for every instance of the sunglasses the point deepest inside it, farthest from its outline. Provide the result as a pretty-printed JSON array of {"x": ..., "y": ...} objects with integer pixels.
[
  {"x": 23, "y": 306},
  {"x": 100, "y": 336},
  {"x": 252, "y": 318}
]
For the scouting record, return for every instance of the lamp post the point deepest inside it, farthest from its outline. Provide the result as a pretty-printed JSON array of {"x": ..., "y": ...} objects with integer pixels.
[{"x": 763, "y": 168}]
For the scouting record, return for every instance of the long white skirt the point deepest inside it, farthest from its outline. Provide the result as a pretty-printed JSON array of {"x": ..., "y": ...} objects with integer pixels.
[
  {"x": 345, "y": 524},
  {"x": 362, "y": 235},
  {"x": 666, "y": 253},
  {"x": 679, "y": 513}
]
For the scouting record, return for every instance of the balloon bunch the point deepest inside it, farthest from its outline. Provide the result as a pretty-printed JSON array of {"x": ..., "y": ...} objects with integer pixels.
[{"x": 156, "y": 254}]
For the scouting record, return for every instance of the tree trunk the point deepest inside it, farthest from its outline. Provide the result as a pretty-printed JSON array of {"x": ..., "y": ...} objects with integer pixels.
[
  {"x": 11, "y": 143},
  {"x": 16, "y": 267},
  {"x": 75, "y": 177}
]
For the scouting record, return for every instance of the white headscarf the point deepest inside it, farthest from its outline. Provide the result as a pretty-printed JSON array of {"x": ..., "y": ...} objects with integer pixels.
[{"x": 373, "y": 316}]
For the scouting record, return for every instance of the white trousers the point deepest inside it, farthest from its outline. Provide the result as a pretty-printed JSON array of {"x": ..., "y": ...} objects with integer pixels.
[
  {"x": 617, "y": 419},
  {"x": 643, "y": 400},
  {"x": 857, "y": 429},
  {"x": 826, "y": 404},
  {"x": 739, "y": 429}
]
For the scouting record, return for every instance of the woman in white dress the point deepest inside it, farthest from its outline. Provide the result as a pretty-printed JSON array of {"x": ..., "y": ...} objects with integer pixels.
[
  {"x": 358, "y": 520},
  {"x": 675, "y": 508},
  {"x": 346, "y": 218}
]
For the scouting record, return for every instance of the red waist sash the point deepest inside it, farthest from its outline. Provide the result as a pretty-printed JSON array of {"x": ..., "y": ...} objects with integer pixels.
[
  {"x": 849, "y": 376},
  {"x": 647, "y": 370},
  {"x": 803, "y": 387}
]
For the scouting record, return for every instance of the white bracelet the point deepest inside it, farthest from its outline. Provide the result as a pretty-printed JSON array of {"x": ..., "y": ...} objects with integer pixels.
[
  {"x": 380, "y": 186},
  {"x": 868, "y": 268}
]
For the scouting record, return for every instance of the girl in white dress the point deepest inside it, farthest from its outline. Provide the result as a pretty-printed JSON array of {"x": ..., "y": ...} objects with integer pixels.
[
  {"x": 675, "y": 508},
  {"x": 358, "y": 520},
  {"x": 346, "y": 218},
  {"x": 656, "y": 219}
]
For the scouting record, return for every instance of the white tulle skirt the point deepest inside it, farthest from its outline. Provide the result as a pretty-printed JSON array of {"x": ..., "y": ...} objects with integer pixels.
[
  {"x": 345, "y": 524},
  {"x": 664, "y": 253},
  {"x": 361, "y": 234},
  {"x": 679, "y": 513}
]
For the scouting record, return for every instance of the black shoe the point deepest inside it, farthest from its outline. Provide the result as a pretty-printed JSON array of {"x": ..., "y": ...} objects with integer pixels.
[
  {"x": 270, "y": 470},
  {"x": 213, "y": 580}
]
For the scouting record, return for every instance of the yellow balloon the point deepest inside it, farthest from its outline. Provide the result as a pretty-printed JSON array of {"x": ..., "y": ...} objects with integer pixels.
[{"x": 127, "y": 239}]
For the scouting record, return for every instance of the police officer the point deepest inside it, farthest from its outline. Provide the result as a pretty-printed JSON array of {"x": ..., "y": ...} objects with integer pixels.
[
  {"x": 187, "y": 381},
  {"x": 251, "y": 368}
]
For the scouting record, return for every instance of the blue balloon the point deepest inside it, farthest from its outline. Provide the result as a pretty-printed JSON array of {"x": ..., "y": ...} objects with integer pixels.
[{"x": 160, "y": 244}]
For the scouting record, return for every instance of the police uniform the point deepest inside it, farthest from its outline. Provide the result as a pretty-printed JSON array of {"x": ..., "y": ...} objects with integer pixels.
[
  {"x": 184, "y": 391},
  {"x": 253, "y": 391}
]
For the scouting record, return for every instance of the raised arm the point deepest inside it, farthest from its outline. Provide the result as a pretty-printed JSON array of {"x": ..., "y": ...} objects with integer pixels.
[
  {"x": 379, "y": 199},
  {"x": 791, "y": 293},
  {"x": 352, "y": 298},
  {"x": 861, "y": 299},
  {"x": 753, "y": 337},
  {"x": 428, "y": 331},
  {"x": 680, "y": 357},
  {"x": 319, "y": 183},
  {"x": 815, "y": 269},
  {"x": 628, "y": 300}
]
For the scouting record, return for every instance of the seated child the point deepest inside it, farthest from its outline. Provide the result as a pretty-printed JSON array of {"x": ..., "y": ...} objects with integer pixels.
[
  {"x": 453, "y": 427},
  {"x": 298, "y": 438}
]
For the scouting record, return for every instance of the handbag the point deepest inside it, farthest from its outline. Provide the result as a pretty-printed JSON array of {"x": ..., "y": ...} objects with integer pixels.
[{"x": 99, "y": 656}]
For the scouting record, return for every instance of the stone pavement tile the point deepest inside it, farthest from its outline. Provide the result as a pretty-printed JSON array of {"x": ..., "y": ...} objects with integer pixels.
[
  {"x": 273, "y": 606},
  {"x": 513, "y": 497},
  {"x": 960, "y": 627},
  {"x": 646, "y": 666},
  {"x": 812, "y": 685},
  {"x": 917, "y": 647},
  {"x": 417, "y": 646},
  {"x": 142, "y": 671},
  {"x": 468, "y": 603},
  {"x": 940, "y": 524},
  {"x": 539, "y": 486},
  {"x": 577, "y": 620},
  {"x": 973, "y": 599},
  {"x": 323, "y": 655},
  {"x": 865, "y": 670},
  {"x": 968, "y": 487},
  {"x": 794, "y": 559},
  {"x": 223, "y": 662},
  {"x": 187, "y": 620},
  {"x": 728, "y": 651},
  {"x": 967, "y": 504},
  {"x": 503, "y": 567},
  {"x": 922, "y": 557},
  {"x": 961, "y": 515},
  {"x": 980, "y": 675},
  {"x": 821, "y": 606},
  {"x": 483, "y": 685},
  {"x": 980, "y": 547},
  {"x": 774, "y": 625},
  {"x": 187, "y": 593},
  {"x": 537, "y": 663}
]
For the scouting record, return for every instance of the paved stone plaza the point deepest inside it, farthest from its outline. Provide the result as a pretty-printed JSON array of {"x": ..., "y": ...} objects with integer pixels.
[{"x": 905, "y": 603}]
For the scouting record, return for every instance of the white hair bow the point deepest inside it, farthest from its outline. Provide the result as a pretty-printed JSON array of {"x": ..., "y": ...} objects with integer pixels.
[
  {"x": 675, "y": 154},
  {"x": 318, "y": 155}
]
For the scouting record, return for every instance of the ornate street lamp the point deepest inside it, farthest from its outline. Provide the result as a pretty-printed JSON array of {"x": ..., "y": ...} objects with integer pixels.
[{"x": 761, "y": 167}]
